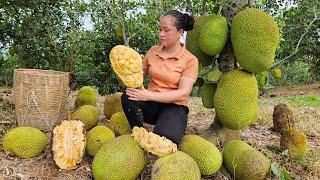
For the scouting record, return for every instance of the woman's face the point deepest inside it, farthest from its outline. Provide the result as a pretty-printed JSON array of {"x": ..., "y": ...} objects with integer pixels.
[{"x": 169, "y": 35}]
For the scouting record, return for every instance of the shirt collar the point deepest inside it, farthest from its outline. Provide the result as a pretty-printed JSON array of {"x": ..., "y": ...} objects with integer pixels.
[{"x": 159, "y": 52}]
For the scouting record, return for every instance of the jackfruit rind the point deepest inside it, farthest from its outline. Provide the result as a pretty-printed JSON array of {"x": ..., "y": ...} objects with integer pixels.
[
  {"x": 119, "y": 124},
  {"x": 96, "y": 138},
  {"x": 244, "y": 162},
  {"x": 112, "y": 104},
  {"x": 153, "y": 143},
  {"x": 262, "y": 78},
  {"x": 24, "y": 142},
  {"x": 120, "y": 158},
  {"x": 236, "y": 99},
  {"x": 255, "y": 37},
  {"x": 277, "y": 73},
  {"x": 206, "y": 154},
  {"x": 283, "y": 118},
  {"x": 213, "y": 35},
  {"x": 177, "y": 166},
  {"x": 86, "y": 96},
  {"x": 214, "y": 75},
  {"x": 88, "y": 114},
  {"x": 68, "y": 143},
  {"x": 127, "y": 64},
  {"x": 296, "y": 143},
  {"x": 207, "y": 94}
]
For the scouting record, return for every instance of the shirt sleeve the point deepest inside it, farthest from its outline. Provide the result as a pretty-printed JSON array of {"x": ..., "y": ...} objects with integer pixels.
[{"x": 191, "y": 69}]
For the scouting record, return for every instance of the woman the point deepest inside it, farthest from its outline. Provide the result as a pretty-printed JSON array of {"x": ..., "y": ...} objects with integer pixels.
[{"x": 172, "y": 70}]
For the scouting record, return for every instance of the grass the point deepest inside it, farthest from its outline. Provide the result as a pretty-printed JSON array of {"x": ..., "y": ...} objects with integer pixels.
[{"x": 301, "y": 100}]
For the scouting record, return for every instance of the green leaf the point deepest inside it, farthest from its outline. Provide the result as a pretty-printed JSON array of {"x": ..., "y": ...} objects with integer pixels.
[{"x": 280, "y": 172}]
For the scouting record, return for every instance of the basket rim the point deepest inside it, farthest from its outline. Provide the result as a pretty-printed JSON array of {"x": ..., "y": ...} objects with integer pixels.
[{"x": 56, "y": 73}]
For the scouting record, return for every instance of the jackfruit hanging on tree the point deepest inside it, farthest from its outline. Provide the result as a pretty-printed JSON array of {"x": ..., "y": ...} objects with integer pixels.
[
  {"x": 277, "y": 73},
  {"x": 207, "y": 94}
]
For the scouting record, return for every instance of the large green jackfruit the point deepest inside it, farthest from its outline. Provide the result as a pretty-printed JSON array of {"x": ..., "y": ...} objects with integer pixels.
[
  {"x": 177, "y": 166},
  {"x": 120, "y": 158},
  {"x": 255, "y": 37},
  {"x": 244, "y": 162},
  {"x": 207, "y": 94},
  {"x": 119, "y": 124},
  {"x": 88, "y": 114},
  {"x": 86, "y": 96},
  {"x": 213, "y": 35},
  {"x": 236, "y": 99},
  {"x": 112, "y": 104},
  {"x": 206, "y": 154},
  {"x": 96, "y": 138},
  {"x": 24, "y": 142}
]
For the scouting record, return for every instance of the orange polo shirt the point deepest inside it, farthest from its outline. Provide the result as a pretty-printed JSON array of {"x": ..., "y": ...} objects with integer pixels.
[{"x": 165, "y": 74}]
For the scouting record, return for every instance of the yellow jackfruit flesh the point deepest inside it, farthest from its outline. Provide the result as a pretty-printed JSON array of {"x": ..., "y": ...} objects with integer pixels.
[
  {"x": 112, "y": 104},
  {"x": 127, "y": 64},
  {"x": 255, "y": 37},
  {"x": 120, "y": 158},
  {"x": 296, "y": 143},
  {"x": 96, "y": 138},
  {"x": 88, "y": 114},
  {"x": 177, "y": 166},
  {"x": 86, "y": 96},
  {"x": 244, "y": 162},
  {"x": 68, "y": 143},
  {"x": 24, "y": 142},
  {"x": 236, "y": 99},
  {"x": 119, "y": 124},
  {"x": 153, "y": 143},
  {"x": 206, "y": 154}
]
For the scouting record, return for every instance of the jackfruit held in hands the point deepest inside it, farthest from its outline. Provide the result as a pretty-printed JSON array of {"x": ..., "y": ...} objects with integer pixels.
[
  {"x": 24, "y": 142},
  {"x": 255, "y": 37},
  {"x": 207, "y": 94},
  {"x": 96, "y": 138},
  {"x": 88, "y": 114},
  {"x": 177, "y": 166},
  {"x": 296, "y": 143},
  {"x": 119, "y": 124},
  {"x": 120, "y": 158},
  {"x": 127, "y": 64},
  {"x": 236, "y": 99},
  {"x": 213, "y": 35},
  {"x": 112, "y": 104},
  {"x": 86, "y": 96},
  {"x": 244, "y": 162},
  {"x": 153, "y": 143},
  {"x": 68, "y": 143},
  {"x": 206, "y": 154}
]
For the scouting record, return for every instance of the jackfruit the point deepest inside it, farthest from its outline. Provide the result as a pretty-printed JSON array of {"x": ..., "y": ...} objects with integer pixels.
[
  {"x": 255, "y": 37},
  {"x": 214, "y": 75},
  {"x": 153, "y": 143},
  {"x": 244, "y": 162},
  {"x": 206, "y": 154},
  {"x": 120, "y": 158},
  {"x": 236, "y": 99},
  {"x": 192, "y": 43},
  {"x": 283, "y": 118},
  {"x": 96, "y": 138},
  {"x": 119, "y": 124},
  {"x": 68, "y": 143},
  {"x": 88, "y": 114},
  {"x": 207, "y": 94},
  {"x": 24, "y": 142},
  {"x": 262, "y": 79},
  {"x": 112, "y": 104},
  {"x": 213, "y": 35},
  {"x": 86, "y": 96},
  {"x": 296, "y": 143},
  {"x": 277, "y": 73},
  {"x": 127, "y": 64},
  {"x": 177, "y": 166}
]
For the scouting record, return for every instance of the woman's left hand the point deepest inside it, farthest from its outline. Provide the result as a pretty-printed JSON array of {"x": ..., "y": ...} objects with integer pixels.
[{"x": 138, "y": 94}]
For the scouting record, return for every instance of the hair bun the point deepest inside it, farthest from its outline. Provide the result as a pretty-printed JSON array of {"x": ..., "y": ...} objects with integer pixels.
[{"x": 188, "y": 22}]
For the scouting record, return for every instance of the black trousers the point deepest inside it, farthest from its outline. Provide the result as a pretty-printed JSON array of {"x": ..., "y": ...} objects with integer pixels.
[{"x": 170, "y": 119}]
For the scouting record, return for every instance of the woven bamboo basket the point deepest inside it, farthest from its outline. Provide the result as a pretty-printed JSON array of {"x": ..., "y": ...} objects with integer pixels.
[{"x": 40, "y": 97}]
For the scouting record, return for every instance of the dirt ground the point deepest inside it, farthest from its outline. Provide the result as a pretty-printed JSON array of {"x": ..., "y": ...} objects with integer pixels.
[{"x": 258, "y": 135}]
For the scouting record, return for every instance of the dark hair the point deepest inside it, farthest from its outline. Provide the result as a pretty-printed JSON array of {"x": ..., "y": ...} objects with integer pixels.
[{"x": 183, "y": 20}]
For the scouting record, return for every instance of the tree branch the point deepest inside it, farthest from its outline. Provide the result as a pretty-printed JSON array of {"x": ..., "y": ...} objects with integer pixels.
[{"x": 300, "y": 40}]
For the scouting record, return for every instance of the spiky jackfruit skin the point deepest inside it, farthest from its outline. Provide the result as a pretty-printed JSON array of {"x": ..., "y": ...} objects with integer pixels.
[
  {"x": 236, "y": 99},
  {"x": 283, "y": 118},
  {"x": 192, "y": 42},
  {"x": 206, "y": 154},
  {"x": 244, "y": 162},
  {"x": 296, "y": 143},
  {"x": 24, "y": 142},
  {"x": 120, "y": 158},
  {"x": 86, "y": 96},
  {"x": 177, "y": 166},
  {"x": 213, "y": 35},
  {"x": 277, "y": 73},
  {"x": 96, "y": 138},
  {"x": 207, "y": 94},
  {"x": 255, "y": 37},
  {"x": 262, "y": 79},
  {"x": 119, "y": 124},
  {"x": 88, "y": 114},
  {"x": 214, "y": 75},
  {"x": 112, "y": 104}
]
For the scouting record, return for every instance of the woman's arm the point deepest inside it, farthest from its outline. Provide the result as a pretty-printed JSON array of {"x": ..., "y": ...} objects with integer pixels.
[{"x": 183, "y": 91}]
